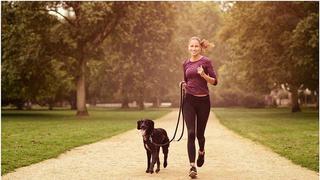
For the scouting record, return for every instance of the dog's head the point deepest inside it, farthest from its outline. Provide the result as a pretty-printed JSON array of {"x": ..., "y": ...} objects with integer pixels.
[{"x": 145, "y": 126}]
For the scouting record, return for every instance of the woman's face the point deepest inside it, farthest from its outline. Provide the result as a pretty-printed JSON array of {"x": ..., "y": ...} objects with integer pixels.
[{"x": 194, "y": 47}]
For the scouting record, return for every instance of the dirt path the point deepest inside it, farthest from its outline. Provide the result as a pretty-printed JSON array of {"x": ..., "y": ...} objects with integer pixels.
[{"x": 228, "y": 156}]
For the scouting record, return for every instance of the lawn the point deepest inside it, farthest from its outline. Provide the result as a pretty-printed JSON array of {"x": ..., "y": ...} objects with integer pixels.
[
  {"x": 32, "y": 136},
  {"x": 292, "y": 135}
]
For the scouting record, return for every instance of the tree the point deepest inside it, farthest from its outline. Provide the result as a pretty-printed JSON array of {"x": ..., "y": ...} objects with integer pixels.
[
  {"x": 58, "y": 84},
  {"x": 303, "y": 51},
  {"x": 28, "y": 46},
  {"x": 84, "y": 30},
  {"x": 140, "y": 51},
  {"x": 268, "y": 54}
]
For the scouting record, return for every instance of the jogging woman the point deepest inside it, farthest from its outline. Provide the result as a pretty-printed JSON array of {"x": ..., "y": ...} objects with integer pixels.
[{"x": 198, "y": 73}]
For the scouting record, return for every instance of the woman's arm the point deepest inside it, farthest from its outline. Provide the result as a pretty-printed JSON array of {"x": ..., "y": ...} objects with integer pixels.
[{"x": 209, "y": 79}]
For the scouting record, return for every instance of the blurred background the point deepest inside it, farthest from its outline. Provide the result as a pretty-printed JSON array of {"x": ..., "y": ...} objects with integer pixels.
[{"x": 130, "y": 54}]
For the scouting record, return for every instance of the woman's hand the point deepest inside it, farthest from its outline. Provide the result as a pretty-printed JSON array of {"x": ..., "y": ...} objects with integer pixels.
[
  {"x": 200, "y": 71},
  {"x": 209, "y": 79}
]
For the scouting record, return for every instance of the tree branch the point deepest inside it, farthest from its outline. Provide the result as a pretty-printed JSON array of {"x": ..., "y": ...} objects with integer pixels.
[
  {"x": 106, "y": 30},
  {"x": 70, "y": 22}
]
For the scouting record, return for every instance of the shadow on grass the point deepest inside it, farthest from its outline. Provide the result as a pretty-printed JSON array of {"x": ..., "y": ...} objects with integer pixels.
[{"x": 35, "y": 115}]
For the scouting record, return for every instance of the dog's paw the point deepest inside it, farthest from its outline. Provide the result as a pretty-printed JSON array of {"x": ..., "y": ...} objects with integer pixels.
[
  {"x": 147, "y": 171},
  {"x": 151, "y": 171},
  {"x": 157, "y": 170},
  {"x": 165, "y": 164}
]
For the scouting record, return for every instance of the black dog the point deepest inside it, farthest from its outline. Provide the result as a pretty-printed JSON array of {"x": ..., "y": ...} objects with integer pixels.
[{"x": 151, "y": 137}]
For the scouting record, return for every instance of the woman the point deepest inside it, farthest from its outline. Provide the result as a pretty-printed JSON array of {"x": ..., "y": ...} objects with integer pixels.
[{"x": 198, "y": 72}]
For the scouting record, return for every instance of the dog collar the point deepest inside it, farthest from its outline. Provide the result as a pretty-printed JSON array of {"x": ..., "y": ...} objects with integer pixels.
[{"x": 145, "y": 139}]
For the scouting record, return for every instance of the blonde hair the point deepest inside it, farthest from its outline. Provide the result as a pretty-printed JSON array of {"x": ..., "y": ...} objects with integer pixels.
[{"x": 203, "y": 43}]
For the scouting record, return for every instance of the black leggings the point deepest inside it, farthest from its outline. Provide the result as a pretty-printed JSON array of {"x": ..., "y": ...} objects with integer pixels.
[{"x": 196, "y": 109}]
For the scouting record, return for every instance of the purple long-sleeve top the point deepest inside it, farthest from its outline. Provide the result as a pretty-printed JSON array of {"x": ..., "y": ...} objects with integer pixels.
[{"x": 197, "y": 85}]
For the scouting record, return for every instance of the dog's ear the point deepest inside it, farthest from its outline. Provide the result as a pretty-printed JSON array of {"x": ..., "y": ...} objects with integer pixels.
[
  {"x": 139, "y": 124},
  {"x": 151, "y": 123}
]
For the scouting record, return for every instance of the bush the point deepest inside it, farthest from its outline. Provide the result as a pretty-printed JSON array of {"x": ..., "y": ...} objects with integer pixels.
[
  {"x": 237, "y": 97},
  {"x": 227, "y": 98},
  {"x": 253, "y": 101}
]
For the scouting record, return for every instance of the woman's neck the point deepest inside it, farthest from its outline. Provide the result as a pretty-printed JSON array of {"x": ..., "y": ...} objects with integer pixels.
[{"x": 195, "y": 58}]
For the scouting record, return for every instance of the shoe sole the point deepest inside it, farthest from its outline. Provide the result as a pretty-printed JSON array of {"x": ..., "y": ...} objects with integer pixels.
[{"x": 193, "y": 174}]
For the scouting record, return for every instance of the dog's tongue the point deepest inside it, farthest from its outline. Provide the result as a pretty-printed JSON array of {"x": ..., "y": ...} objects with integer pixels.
[{"x": 142, "y": 132}]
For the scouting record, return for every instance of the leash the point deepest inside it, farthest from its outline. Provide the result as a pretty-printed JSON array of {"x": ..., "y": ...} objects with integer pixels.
[{"x": 178, "y": 121}]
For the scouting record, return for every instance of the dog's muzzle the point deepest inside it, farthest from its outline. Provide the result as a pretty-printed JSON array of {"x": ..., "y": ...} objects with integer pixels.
[{"x": 142, "y": 132}]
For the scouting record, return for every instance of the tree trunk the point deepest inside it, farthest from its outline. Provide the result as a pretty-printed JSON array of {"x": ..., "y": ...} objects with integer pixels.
[
  {"x": 156, "y": 102},
  {"x": 140, "y": 100},
  {"x": 295, "y": 107},
  {"x": 81, "y": 90},
  {"x": 19, "y": 104},
  {"x": 317, "y": 100},
  {"x": 274, "y": 102},
  {"x": 125, "y": 103},
  {"x": 50, "y": 106},
  {"x": 73, "y": 100},
  {"x": 125, "y": 98},
  {"x": 140, "y": 104}
]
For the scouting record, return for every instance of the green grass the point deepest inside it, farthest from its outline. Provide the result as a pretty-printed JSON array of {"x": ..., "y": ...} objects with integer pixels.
[
  {"x": 292, "y": 135},
  {"x": 33, "y": 136}
]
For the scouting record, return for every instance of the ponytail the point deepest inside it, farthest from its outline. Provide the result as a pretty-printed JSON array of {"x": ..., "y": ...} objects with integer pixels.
[
  {"x": 203, "y": 43},
  {"x": 206, "y": 44}
]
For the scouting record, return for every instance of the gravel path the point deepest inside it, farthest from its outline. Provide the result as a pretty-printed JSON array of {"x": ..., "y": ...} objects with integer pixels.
[{"x": 228, "y": 156}]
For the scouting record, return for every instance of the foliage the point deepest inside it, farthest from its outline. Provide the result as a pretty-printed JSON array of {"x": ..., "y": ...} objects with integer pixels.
[
  {"x": 138, "y": 53},
  {"x": 28, "y": 46},
  {"x": 271, "y": 45},
  {"x": 85, "y": 28},
  {"x": 235, "y": 97},
  {"x": 133, "y": 51}
]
